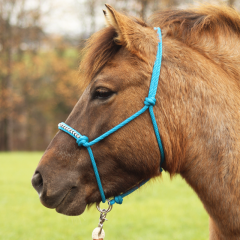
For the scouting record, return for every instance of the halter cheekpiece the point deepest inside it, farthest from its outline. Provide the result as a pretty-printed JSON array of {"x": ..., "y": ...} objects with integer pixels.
[{"x": 149, "y": 103}]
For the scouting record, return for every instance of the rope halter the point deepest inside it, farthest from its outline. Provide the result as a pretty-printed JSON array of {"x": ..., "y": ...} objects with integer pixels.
[{"x": 149, "y": 103}]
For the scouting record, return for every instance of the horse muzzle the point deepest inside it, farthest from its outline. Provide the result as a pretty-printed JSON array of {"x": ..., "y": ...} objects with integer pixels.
[
  {"x": 57, "y": 191},
  {"x": 51, "y": 195}
]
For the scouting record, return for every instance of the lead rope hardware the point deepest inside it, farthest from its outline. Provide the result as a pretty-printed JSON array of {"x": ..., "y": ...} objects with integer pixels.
[{"x": 98, "y": 233}]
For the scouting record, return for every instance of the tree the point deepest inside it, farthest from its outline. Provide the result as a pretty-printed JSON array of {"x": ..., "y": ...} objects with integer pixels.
[{"x": 19, "y": 25}]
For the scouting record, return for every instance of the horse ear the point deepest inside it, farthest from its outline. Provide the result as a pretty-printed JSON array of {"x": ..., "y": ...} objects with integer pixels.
[
  {"x": 111, "y": 16},
  {"x": 136, "y": 36}
]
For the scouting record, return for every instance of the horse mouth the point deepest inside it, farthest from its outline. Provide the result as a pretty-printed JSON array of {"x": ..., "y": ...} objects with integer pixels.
[
  {"x": 62, "y": 201},
  {"x": 69, "y": 205}
]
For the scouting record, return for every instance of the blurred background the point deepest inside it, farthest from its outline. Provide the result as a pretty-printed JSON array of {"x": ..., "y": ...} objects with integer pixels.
[{"x": 40, "y": 42}]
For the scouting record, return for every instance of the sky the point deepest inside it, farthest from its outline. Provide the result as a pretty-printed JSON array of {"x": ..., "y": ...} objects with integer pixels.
[{"x": 68, "y": 17}]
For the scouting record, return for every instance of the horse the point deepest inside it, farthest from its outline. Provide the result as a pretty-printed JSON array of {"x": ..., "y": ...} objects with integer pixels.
[{"x": 197, "y": 114}]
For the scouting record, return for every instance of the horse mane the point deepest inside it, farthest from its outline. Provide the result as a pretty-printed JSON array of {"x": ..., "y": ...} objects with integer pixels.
[
  {"x": 186, "y": 26},
  {"x": 212, "y": 31}
]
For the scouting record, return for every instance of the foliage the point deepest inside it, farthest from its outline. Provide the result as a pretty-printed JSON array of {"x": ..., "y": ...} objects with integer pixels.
[
  {"x": 38, "y": 77},
  {"x": 44, "y": 90},
  {"x": 162, "y": 209}
]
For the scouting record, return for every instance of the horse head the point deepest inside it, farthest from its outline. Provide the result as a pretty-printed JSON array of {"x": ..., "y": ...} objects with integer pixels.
[{"x": 117, "y": 70}]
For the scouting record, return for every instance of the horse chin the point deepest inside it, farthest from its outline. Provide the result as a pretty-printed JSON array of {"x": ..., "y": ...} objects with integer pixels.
[
  {"x": 72, "y": 204},
  {"x": 71, "y": 208}
]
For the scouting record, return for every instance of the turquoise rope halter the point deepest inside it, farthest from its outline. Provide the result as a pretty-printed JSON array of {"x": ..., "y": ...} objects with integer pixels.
[{"x": 149, "y": 103}]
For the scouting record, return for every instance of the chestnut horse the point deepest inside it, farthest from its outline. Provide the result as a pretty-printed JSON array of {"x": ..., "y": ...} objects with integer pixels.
[{"x": 197, "y": 113}]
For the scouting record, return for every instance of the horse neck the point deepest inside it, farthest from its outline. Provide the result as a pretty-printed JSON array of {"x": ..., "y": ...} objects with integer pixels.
[{"x": 198, "y": 115}]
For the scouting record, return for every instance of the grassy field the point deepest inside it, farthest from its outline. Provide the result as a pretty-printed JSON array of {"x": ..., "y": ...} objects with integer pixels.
[{"x": 163, "y": 209}]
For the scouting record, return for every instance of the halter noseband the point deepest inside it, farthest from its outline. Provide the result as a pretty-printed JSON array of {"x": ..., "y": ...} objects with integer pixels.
[{"x": 149, "y": 102}]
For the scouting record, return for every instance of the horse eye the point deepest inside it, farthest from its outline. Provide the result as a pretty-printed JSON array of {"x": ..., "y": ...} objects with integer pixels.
[{"x": 102, "y": 94}]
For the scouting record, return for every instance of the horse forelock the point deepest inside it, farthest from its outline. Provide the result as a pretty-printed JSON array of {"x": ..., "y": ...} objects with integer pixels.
[{"x": 99, "y": 50}]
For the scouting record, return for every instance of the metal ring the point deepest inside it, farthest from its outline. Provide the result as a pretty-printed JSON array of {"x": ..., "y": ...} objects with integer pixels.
[{"x": 104, "y": 210}]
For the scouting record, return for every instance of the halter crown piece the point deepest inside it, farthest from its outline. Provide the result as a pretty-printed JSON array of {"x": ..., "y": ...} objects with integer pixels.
[{"x": 149, "y": 103}]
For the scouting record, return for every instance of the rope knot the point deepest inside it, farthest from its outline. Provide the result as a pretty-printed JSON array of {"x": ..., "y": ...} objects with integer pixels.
[
  {"x": 82, "y": 141},
  {"x": 150, "y": 101},
  {"x": 118, "y": 199}
]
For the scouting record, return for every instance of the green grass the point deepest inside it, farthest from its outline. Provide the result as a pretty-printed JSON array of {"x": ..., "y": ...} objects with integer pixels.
[{"x": 162, "y": 209}]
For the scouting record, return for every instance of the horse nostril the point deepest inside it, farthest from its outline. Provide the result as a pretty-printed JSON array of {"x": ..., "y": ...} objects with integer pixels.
[{"x": 37, "y": 182}]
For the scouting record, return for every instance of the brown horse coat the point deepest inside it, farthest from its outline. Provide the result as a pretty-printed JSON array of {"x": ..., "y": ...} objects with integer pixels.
[{"x": 197, "y": 111}]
